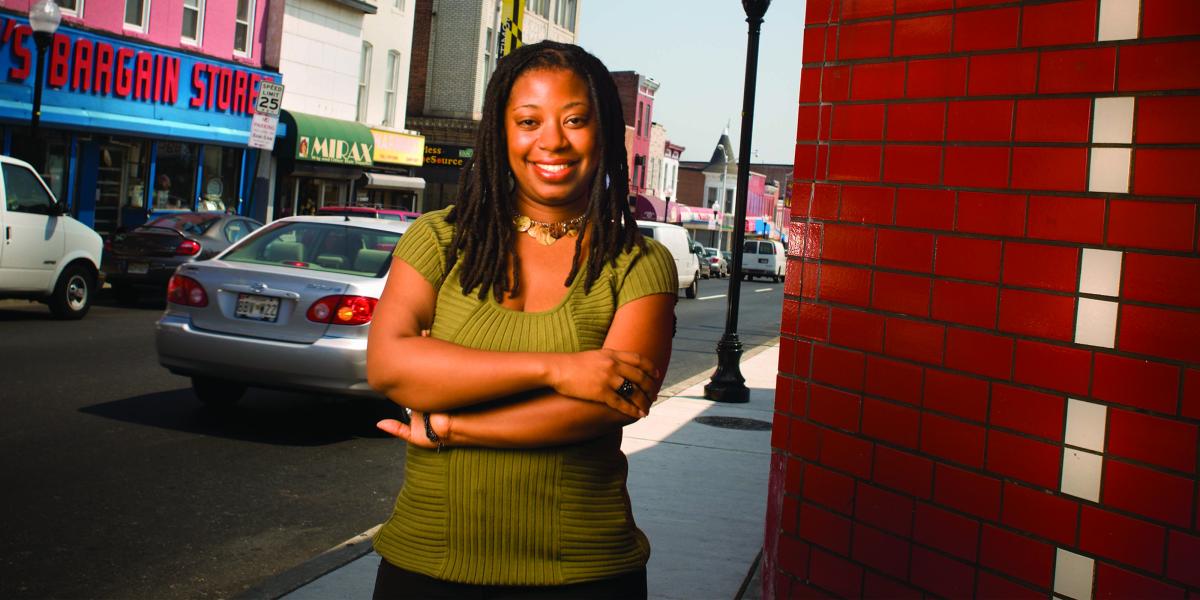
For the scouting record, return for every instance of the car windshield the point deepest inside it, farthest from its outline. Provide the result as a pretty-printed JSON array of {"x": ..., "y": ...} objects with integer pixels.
[
  {"x": 319, "y": 247},
  {"x": 710, "y": 252},
  {"x": 193, "y": 223}
]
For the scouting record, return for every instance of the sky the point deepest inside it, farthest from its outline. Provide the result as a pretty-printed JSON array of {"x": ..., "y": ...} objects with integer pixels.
[{"x": 696, "y": 50}]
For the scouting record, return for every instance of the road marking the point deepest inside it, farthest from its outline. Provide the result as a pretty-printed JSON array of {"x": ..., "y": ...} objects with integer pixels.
[
  {"x": 711, "y": 297},
  {"x": 763, "y": 290}
]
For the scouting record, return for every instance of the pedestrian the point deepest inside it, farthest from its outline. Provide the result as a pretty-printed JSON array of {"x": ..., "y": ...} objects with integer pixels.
[{"x": 549, "y": 323}]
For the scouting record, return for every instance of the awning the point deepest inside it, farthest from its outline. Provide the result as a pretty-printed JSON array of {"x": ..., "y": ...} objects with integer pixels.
[
  {"x": 649, "y": 208},
  {"x": 388, "y": 181},
  {"x": 694, "y": 215},
  {"x": 325, "y": 140}
]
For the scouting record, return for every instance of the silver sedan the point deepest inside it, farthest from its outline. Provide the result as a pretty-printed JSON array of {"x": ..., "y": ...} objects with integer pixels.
[{"x": 288, "y": 307}]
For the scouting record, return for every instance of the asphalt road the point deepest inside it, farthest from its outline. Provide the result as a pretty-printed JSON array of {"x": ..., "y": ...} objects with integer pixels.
[{"x": 119, "y": 484}]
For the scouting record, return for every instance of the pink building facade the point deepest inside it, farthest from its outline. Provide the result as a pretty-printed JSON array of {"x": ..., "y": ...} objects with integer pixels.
[{"x": 146, "y": 107}]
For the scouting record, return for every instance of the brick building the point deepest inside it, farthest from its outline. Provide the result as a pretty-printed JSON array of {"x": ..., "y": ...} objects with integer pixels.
[
  {"x": 989, "y": 380},
  {"x": 452, "y": 61}
]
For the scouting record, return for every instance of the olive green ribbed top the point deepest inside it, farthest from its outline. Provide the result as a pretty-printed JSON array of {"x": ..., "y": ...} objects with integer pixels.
[{"x": 546, "y": 516}]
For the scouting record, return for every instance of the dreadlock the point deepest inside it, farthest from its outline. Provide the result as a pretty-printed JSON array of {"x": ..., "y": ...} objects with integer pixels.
[{"x": 484, "y": 237}]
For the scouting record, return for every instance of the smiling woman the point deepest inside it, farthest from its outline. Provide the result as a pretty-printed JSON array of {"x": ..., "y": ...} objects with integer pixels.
[{"x": 524, "y": 327}]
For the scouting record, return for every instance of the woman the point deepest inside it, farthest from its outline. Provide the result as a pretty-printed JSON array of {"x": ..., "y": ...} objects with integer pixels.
[{"x": 547, "y": 325}]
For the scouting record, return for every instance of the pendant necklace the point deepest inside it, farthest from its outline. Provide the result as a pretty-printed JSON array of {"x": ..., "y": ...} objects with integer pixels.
[{"x": 548, "y": 233}]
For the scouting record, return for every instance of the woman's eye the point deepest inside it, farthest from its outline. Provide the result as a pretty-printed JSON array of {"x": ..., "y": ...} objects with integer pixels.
[{"x": 526, "y": 123}]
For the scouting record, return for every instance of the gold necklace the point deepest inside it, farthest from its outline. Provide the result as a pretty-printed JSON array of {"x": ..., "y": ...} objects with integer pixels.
[{"x": 548, "y": 233}]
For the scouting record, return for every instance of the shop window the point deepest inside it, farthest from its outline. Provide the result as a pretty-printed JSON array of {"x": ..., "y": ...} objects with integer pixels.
[
  {"x": 175, "y": 178},
  {"x": 364, "y": 82},
  {"x": 120, "y": 182},
  {"x": 389, "y": 92},
  {"x": 193, "y": 21},
  {"x": 221, "y": 169},
  {"x": 243, "y": 26},
  {"x": 137, "y": 13}
]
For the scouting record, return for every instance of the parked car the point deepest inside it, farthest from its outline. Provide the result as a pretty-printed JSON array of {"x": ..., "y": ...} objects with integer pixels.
[
  {"x": 685, "y": 252},
  {"x": 763, "y": 258},
  {"x": 45, "y": 255},
  {"x": 148, "y": 255},
  {"x": 366, "y": 211},
  {"x": 289, "y": 308},
  {"x": 717, "y": 265}
]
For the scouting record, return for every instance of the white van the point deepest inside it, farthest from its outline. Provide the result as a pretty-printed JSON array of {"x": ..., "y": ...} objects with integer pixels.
[
  {"x": 45, "y": 255},
  {"x": 763, "y": 258},
  {"x": 682, "y": 248}
]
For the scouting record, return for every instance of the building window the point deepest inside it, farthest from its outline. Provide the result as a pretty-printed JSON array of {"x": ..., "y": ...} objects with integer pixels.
[
  {"x": 489, "y": 46},
  {"x": 71, "y": 7},
  {"x": 364, "y": 81},
  {"x": 638, "y": 129},
  {"x": 389, "y": 92},
  {"x": 137, "y": 12},
  {"x": 564, "y": 14},
  {"x": 712, "y": 197},
  {"x": 193, "y": 21},
  {"x": 540, "y": 7},
  {"x": 243, "y": 26}
]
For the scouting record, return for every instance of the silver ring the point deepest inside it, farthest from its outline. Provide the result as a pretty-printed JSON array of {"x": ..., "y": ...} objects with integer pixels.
[{"x": 626, "y": 388}]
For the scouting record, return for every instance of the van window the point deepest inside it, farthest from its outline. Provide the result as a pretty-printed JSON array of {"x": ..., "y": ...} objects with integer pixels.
[
  {"x": 750, "y": 248},
  {"x": 647, "y": 231},
  {"x": 23, "y": 193},
  {"x": 766, "y": 248}
]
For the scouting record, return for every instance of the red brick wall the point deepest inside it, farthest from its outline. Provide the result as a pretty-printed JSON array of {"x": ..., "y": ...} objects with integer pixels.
[{"x": 990, "y": 360}]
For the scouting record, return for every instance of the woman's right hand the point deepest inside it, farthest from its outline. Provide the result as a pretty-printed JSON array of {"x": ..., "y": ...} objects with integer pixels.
[{"x": 595, "y": 375}]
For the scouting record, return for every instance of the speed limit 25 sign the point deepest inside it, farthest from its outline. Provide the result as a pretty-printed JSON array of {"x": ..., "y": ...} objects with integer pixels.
[{"x": 270, "y": 94}]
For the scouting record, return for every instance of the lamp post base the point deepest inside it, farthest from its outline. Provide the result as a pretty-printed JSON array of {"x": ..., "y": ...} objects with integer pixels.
[{"x": 727, "y": 384}]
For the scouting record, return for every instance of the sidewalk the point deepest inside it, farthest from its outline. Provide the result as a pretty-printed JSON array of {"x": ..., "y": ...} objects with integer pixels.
[{"x": 697, "y": 492}]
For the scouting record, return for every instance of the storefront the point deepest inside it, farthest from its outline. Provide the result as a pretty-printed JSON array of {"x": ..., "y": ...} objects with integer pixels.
[
  {"x": 128, "y": 129},
  {"x": 320, "y": 159},
  {"x": 391, "y": 182},
  {"x": 703, "y": 223},
  {"x": 441, "y": 169}
]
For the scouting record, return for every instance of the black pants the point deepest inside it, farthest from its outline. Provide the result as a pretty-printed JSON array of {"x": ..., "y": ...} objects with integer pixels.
[{"x": 394, "y": 583}]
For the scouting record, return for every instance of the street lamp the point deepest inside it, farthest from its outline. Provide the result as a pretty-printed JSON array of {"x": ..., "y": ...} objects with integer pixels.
[
  {"x": 727, "y": 384},
  {"x": 44, "y": 18},
  {"x": 720, "y": 207}
]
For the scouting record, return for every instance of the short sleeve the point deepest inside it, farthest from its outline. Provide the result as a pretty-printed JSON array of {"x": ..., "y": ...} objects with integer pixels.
[
  {"x": 423, "y": 246},
  {"x": 651, "y": 271}
]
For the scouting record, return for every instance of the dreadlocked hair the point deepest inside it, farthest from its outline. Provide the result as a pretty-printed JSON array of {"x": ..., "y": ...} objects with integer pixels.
[{"x": 484, "y": 236}]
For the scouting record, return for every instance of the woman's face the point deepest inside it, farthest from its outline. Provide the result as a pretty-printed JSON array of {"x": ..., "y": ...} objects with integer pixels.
[{"x": 551, "y": 128}]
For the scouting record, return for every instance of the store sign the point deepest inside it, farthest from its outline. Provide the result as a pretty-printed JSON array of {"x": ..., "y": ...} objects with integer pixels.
[
  {"x": 398, "y": 148},
  {"x": 333, "y": 150},
  {"x": 103, "y": 75},
  {"x": 439, "y": 155}
]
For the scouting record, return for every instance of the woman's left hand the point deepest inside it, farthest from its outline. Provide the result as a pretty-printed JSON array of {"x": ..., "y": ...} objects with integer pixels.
[{"x": 415, "y": 433}]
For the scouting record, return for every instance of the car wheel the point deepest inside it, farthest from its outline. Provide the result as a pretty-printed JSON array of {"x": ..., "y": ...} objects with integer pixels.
[
  {"x": 692, "y": 290},
  {"x": 72, "y": 295},
  {"x": 217, "y": 392}
]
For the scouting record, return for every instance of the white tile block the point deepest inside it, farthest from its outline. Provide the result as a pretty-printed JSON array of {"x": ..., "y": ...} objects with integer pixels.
[
  {"x": 1110, "y": 170},
  {"x": 1073, "y": 575},
  {"x": 1118, "y": 20},
  {"x": 1101, "y": 272},
  {"x": 1096, "y": 323},
  {"x": 1081, "y": 474},
  {"x": 1112, "y": 122},
  {"x": 1086, "y": 422}
]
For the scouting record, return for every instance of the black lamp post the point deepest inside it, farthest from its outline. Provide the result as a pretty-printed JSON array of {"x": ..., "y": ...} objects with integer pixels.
[
  {"x": 44, "y": 18},
  {"x": 727, "y": 384}
]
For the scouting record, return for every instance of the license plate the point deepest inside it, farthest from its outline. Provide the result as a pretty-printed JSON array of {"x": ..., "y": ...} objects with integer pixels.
[
  {"x": 257, "y": 308},
  {"x": 138, "y": 268},
  {"x": 762, "y": 261}
]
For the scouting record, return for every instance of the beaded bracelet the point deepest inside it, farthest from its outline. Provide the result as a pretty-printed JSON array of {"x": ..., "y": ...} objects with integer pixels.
[{"x": 431, "y": 434}]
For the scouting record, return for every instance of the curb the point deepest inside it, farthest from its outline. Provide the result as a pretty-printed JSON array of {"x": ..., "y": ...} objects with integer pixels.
[
  {"x": 360, "y": 545},
  {"x": 313, "y": 569}
]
